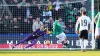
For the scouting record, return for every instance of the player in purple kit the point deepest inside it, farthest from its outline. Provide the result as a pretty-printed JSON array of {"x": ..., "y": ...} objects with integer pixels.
[{"x": 33, "y": 37}]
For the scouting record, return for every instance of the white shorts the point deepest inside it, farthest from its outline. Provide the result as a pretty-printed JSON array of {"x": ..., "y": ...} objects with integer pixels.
[
  {"x": 97, "y": 31},
  {"x": 61, "y": 36}
]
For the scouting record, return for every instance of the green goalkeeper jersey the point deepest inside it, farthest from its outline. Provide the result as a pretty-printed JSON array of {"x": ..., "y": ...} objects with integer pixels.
[
  {"x": 98, "y": 20},
  {"x": 57, "y": 28}
]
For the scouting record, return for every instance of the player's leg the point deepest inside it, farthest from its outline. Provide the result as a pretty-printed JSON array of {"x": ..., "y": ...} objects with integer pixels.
[
  {"x": 85, "y": 44},
  {"x": 85, "y": 39},
  {"x": 97, "y": 36},
  {"x": 33, "y": 41},
  {"x": 22, "y": 41},
  {"x": 81, "y": 36},
  {"x": 62, "y": 38},
  {"x": 65, "y": 42},
  {"x": 81, "y": 44},
  {"x": 97, "y": 42},
  {"x": 58, "y": 36}
]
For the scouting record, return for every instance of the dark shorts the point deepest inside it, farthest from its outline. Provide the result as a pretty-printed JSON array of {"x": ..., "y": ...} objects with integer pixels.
[{"x": 83, "y": 34}]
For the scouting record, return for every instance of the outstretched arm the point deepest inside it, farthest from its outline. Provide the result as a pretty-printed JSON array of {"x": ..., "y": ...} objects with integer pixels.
[{"x": 44, "y": 35}]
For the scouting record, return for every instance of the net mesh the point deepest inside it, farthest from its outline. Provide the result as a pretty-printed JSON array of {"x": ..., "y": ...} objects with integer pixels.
[{"x": 17, "y": 19}]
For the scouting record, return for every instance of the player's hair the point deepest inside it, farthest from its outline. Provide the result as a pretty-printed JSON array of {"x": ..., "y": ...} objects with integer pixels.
[
  {"x": 60, "y": 17},
  {"x": 57, "y": 17},
  {"x": 83, "y": 11}
]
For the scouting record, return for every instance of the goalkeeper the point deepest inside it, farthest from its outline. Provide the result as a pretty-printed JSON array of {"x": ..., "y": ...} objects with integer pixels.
[
  {"x": 33, "y": 37},
  {"x": 58, "y": 30}
]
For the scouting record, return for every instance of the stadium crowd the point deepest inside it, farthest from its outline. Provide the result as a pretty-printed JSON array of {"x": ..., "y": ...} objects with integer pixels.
[{"x": 28, "y": 15}]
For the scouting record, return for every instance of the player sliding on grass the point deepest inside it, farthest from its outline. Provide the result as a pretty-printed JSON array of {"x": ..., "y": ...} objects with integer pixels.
[
  {"x": 33, "y": 37},
  {"x": 58, "y": 30},
  {"x": 83, "y": 21}
]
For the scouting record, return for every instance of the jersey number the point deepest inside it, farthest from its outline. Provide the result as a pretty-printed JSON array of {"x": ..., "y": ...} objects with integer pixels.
[{"x": 83, "y": 22}]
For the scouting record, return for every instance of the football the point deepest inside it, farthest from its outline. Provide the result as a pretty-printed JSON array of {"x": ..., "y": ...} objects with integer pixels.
[{"x": 47, "y": 42}]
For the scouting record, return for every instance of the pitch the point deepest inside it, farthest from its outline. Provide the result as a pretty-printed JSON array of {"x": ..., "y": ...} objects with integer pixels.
[{"x": 48, "y": 53}]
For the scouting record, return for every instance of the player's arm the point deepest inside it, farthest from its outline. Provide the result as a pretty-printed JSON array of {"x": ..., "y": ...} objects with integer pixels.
[
  {"x": 76, "y": 28},
  {"x": 34, "y": 33},
  {"x": 47, "y": 31},
  {"x": 90, "y": 23},
  {"x": 44, "y": 35},
  {"x": 95, "y": 19},
  {"x": 54, "y": 25},
  {"x": 90, "y": 30}
]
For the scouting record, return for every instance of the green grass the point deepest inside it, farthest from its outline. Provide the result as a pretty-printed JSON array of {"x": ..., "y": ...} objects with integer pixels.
[{"x": 49, "y": 53}]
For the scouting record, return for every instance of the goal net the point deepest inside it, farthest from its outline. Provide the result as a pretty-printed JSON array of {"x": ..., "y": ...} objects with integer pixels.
[{"x": 17, "y": 19}]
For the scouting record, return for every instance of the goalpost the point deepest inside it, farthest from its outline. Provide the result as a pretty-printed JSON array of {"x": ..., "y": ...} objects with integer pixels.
[
  {"x": 93, "y": 38},
  {"x": 26, "y": 12}
]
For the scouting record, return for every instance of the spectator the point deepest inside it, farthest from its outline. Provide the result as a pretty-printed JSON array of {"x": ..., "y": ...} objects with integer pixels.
[
  {"x": 66, "y": 1},
  {"x": 34, "y": 2},
  {"x": 6, "y": 23},
  {"x": 77, "y": 5},
  {"x": 23, "y": 3},
  {"x": 0, "y": 19},
  {"x": 70, "y": 21},
  {"x": 15, "y": 2},
  {"x": 46, "y": 13},
  {"x": 70, "y": 29},
  {"x": 15, "y": 23},
  {"x": 57, "y": 4},
  {"x": 50, "y": 5},
  {"x": 14, "y": 26},
  {"x": 61, "y": 11},
  {"x": 23, "y": 11},
  {"x": 37, "y": 24},
  {"x": 20, "y": 21},
  {"x": 50, "y": 24},
  {"x": 30, "y": 19},
  {"x": 1, "y": 26},
  {"x": 25, "y": 26},
  {"x": 54, "y": 12},
  {"x": 27, "y": 10},
  {"x": 37, "y": 12},
  {"x": 41, "y": 1},
  {"x": 16, "y": 11},
  {"x": 69, "y": 8},
  {"x": 70, "y": 26},
  {"x": 9, "y": 1},
  {"x": 71, "y": 13},
  {"x": 77, "y": 13}
]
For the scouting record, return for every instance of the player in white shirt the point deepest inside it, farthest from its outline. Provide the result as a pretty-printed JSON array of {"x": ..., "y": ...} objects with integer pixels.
[{"x": 83, "y": 21}]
